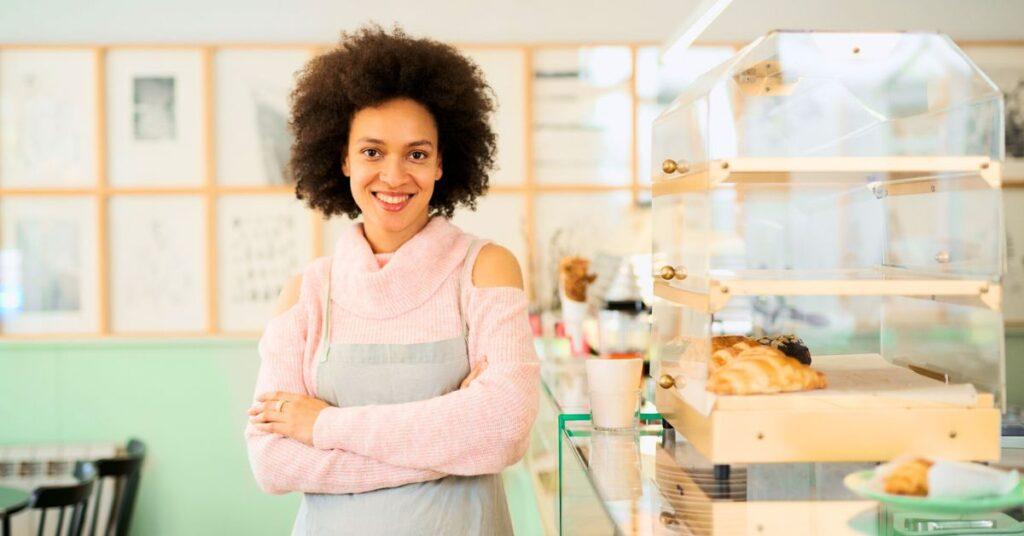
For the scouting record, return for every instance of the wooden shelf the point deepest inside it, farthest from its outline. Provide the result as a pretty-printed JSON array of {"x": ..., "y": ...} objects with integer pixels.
[
  {"x": 915, "y": 173},
  {"x": 841, "y": 423},
  {"x": 719, "y": 291}
]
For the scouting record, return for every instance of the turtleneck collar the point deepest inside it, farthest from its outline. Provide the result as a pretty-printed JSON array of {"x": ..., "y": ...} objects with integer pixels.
[{"x": 413, "y": 274}]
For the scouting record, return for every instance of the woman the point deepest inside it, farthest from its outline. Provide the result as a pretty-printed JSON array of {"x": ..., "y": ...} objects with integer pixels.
[{"x": 398, "y": 376}]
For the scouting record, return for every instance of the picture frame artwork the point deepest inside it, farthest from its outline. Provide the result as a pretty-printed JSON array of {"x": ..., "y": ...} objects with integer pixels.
[
  {"x": 155, "y": 117},
  {"x": 252, "y": 89},
  {"x": 263, "y": 241},
  {"x": 51, "y": 244},
  {"x": 48, "y": 110},
  {"x": 158, "y": 263}
]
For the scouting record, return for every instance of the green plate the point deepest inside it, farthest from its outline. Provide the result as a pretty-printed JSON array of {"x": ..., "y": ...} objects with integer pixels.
[{"x": 860, "y": 483}]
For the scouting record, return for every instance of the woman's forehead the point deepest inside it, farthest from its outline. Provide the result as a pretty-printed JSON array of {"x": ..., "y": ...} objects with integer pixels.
[{"x": 398, "y": 121}]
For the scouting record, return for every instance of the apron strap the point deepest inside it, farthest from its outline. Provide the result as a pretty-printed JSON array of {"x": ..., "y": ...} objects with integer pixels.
[{"x": 325, "y": 327}]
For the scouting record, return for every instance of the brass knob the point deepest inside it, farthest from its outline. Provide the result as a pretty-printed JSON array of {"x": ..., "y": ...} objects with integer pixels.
[
  {"x": 666, "y": 381},
  {"x": 669, "y": 273},
  {"x": 674, "y": 166}
]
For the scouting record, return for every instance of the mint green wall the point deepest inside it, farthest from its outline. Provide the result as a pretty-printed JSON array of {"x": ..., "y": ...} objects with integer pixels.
[{"x": 187, "y": 400}]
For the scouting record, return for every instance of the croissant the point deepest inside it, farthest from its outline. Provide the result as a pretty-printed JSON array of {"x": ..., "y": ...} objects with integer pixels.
[
  {"x": 910, "y": 478},
  {"x": 722, "y": 353},
  {"x": 762, "y": 370}
]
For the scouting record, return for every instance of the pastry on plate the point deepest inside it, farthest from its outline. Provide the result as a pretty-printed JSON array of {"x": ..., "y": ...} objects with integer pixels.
[
  {"x": 909, "y": 478},
  {"x": 763, "y": 370}
]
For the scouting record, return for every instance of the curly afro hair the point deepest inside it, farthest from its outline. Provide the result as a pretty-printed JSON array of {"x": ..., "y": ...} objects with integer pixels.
[{"x": 370, "y": 67}]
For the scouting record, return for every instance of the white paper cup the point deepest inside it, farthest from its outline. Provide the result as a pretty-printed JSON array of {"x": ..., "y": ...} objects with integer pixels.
[
  {"x": 614, "y": 411},
  {"x": 614, "y": 375}
]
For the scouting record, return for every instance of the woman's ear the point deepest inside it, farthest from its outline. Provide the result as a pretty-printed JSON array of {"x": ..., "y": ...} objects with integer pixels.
[
  {"x": 440, "y": 172},
  {"x": 344, "y": 166}
]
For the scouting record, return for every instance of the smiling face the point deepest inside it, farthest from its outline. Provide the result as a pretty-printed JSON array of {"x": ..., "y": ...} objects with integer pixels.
[{"x": 392, "y": 162}]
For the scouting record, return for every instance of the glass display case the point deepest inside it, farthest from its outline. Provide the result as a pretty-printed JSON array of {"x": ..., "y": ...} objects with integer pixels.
[{"x": 843, "y": 188}]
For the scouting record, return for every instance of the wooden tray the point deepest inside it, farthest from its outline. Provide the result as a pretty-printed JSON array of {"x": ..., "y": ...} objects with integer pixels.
[{"x": 869, "y": 413}]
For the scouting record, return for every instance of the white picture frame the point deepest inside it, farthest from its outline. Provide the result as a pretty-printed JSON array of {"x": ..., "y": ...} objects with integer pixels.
[
  {"x": 1005, "y": 66},
  {"x": 155, "y": 118},
  {"x": 54, "y": 243},
  {"x": 48, "y": 110},
  {"x": 262, "y": 242},
  {"x": 251, "y": 103},
  {"x": 158, "y": 264},
  {"x": 505, "y": 72}
]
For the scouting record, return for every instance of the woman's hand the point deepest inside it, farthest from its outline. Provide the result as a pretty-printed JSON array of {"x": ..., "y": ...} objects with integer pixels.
[
  {"x": 289, "y": 414},
  {"x": 474, "y": 372}
]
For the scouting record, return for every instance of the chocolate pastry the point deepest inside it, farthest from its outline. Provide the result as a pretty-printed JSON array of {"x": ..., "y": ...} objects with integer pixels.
[{"x": 790, "y": 345}]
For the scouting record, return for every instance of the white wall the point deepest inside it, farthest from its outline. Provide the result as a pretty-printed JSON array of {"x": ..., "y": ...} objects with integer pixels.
[{"x": 466, "y": 21}]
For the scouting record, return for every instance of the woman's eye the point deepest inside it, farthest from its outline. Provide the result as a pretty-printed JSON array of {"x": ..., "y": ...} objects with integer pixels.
[
  {"x": 418, "y": 155},
  {"x": 372, "y": 153}
]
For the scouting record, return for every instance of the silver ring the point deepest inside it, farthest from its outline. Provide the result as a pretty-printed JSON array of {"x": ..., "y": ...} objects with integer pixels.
[{"x": 280, "y": 405}]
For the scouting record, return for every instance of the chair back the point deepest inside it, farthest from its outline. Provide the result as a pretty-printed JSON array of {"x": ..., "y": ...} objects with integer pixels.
[
  {"x": 124, "y": 474},
  {"x": 72, "y": 497}
]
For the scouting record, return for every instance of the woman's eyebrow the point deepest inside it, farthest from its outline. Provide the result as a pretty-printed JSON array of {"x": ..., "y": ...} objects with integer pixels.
[{"x": 419, "y": 143}]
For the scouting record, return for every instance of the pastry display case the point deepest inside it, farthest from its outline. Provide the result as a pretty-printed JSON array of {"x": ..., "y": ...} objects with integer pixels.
[{"x": 843, "y": 190}]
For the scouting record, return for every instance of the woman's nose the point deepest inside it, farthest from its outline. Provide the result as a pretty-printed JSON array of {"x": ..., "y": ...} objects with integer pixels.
[{"x": 392, "y": 172}]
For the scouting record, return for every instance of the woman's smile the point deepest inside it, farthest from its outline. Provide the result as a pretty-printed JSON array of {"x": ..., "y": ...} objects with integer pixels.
[{"x": 393, "y": 202}]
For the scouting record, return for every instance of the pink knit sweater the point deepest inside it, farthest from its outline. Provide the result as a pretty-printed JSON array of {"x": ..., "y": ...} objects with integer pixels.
[{"x": 410, "y": 299}]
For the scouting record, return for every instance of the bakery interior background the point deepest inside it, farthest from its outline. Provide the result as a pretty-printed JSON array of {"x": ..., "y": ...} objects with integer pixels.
[{"x": 96, "y": 347}]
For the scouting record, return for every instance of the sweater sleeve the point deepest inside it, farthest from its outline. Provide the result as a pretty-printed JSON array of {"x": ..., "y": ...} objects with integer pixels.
[
  {"x": 477, "y": 430},
  {"x": 281, "y": 464}
]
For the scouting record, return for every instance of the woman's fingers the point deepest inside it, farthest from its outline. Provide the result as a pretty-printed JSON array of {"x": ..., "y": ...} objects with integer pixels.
[{"x": 473, "y": 373}]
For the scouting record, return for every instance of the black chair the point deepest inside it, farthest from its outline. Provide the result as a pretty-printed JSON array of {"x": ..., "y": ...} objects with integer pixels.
[
  {"x": 125, "y": 471},
  {"x": 74, "y": 496}
]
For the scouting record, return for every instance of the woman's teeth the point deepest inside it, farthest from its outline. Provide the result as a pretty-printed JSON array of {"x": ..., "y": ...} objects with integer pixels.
[{"x": 393, "y": 199}]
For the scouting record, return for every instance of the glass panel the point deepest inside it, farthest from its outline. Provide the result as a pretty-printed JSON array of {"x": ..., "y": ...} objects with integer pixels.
[
  {"x": 657, "y": 84},
  {"x": 837, "y": 94},
  {"x": 582, "y": 110}
]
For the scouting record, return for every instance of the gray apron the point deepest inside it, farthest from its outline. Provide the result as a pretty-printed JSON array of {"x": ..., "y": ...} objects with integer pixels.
[{"x": 362, "y": 374}]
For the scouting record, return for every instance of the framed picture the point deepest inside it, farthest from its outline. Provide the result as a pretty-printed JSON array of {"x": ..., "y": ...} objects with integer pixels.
[
  {"x": 1005, "y": 66},
  {"x": 158, "y": 264},
  {"x": 252, "y": 88},
  {"x": 155, "y": 117},
  {"x": 51, "y": 255},
  {"x": 505, "y": 70},
  {"x": 262, "y": 241},
  {"x": 47, "y": 118},
  {"x": 582, "y": 115}
]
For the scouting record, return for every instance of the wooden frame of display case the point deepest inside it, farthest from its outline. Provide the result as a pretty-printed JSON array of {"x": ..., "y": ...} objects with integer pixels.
[{"x": 773, "y": 428}]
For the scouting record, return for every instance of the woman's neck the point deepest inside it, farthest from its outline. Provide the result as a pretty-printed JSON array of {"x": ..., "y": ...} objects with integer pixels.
[{"x": 384, "y": 241}]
